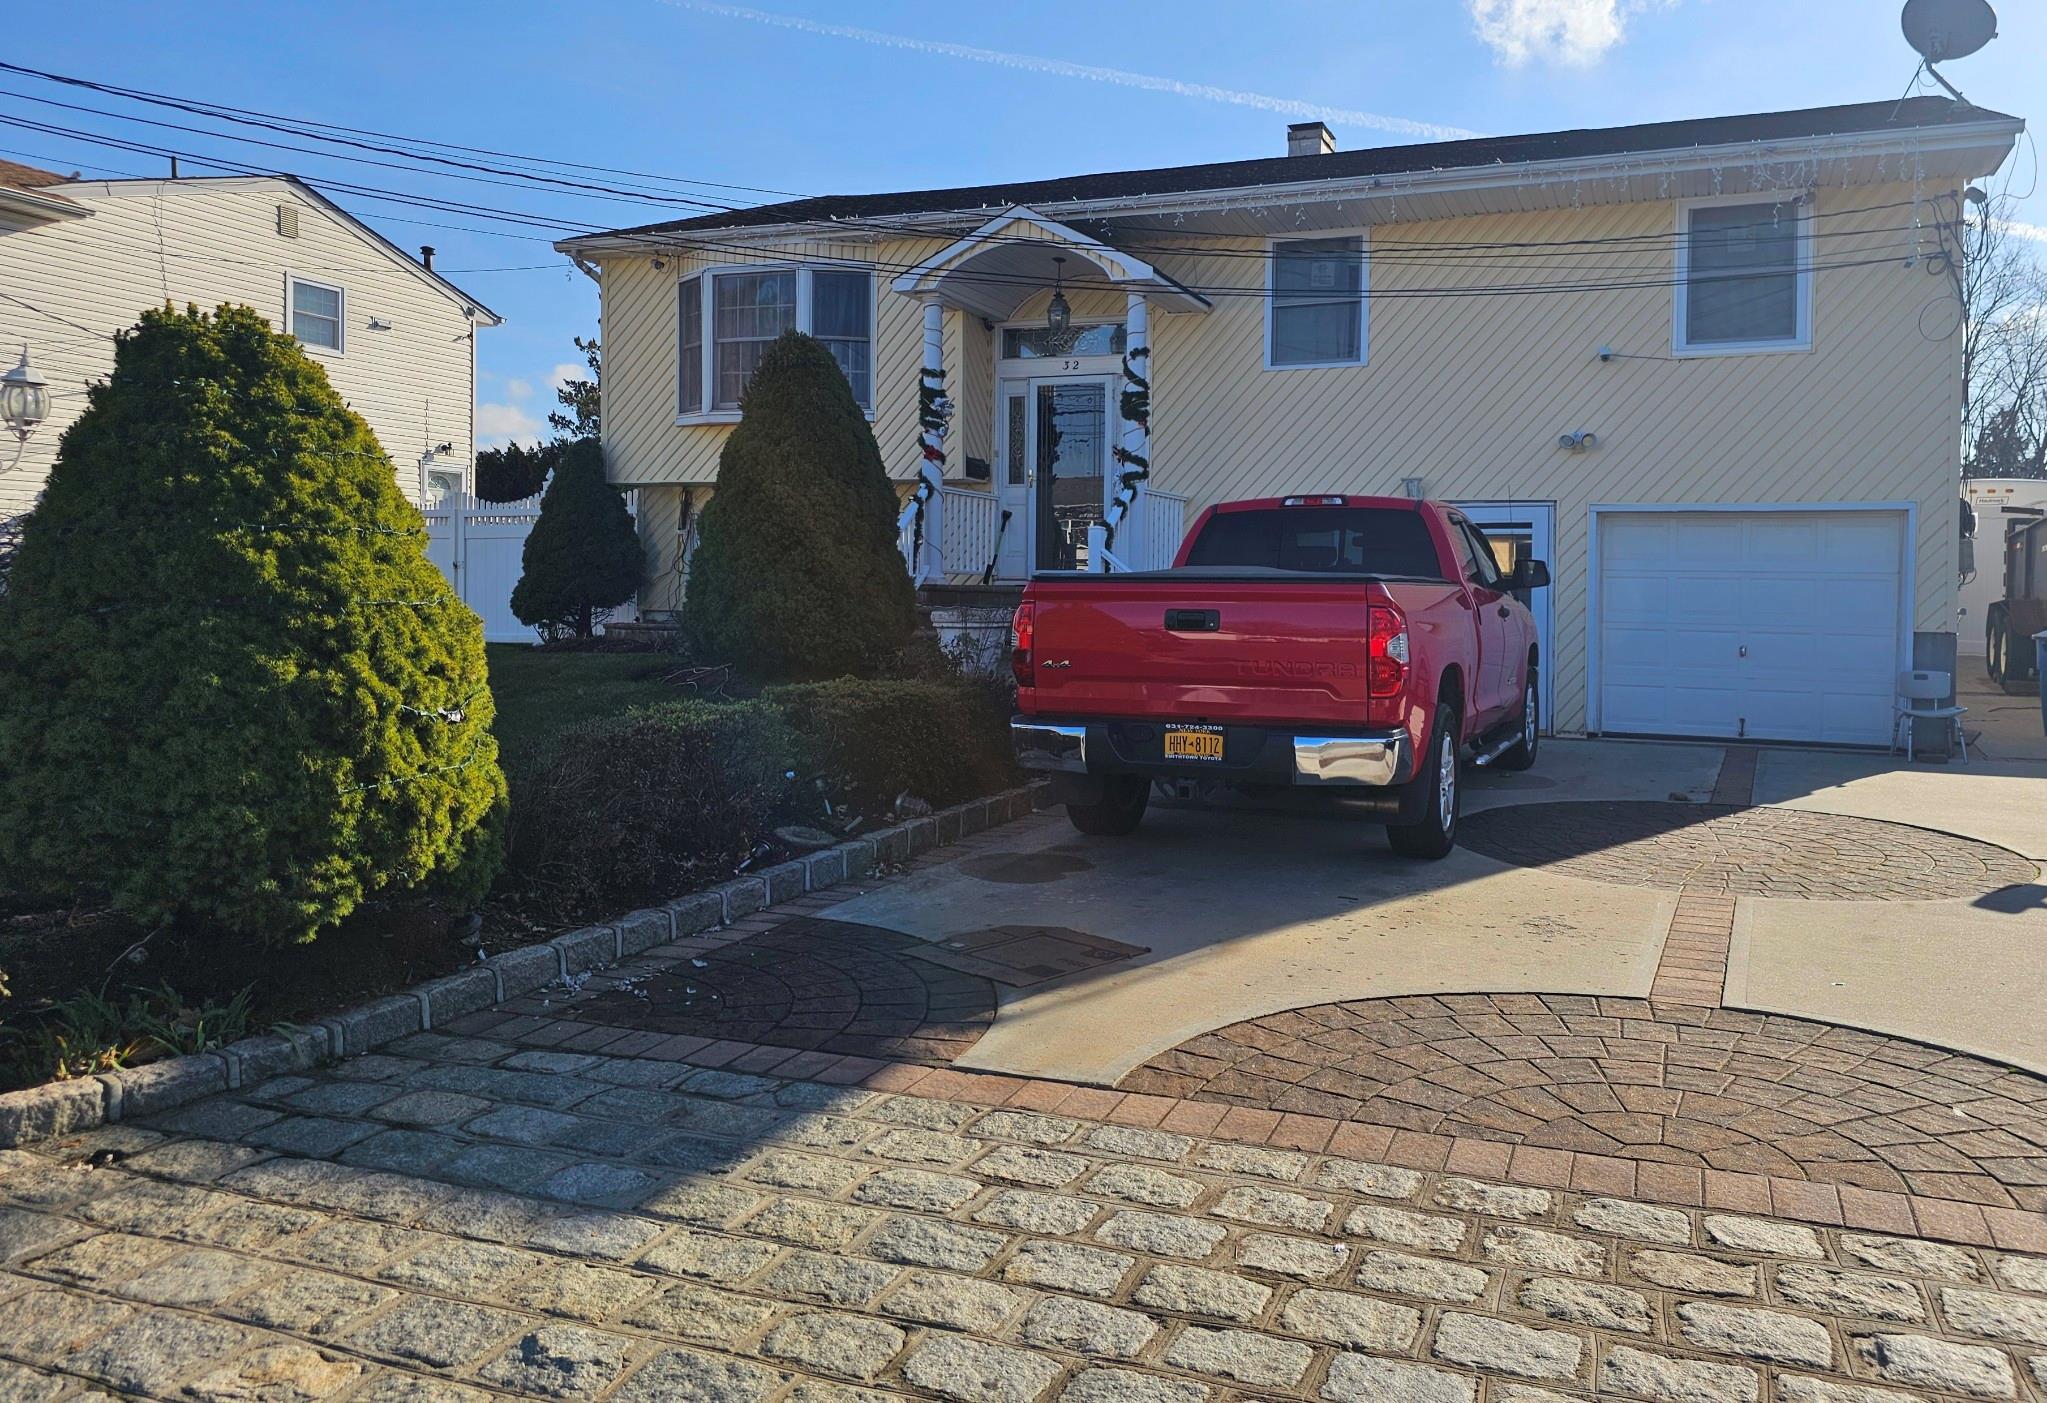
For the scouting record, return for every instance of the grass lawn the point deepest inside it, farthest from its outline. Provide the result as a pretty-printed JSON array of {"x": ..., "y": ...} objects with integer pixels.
[{"x": 539, "y": 694}]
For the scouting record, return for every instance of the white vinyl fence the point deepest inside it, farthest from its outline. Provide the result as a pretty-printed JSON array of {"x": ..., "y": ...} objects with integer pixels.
[{"x": 479, "y": 547}]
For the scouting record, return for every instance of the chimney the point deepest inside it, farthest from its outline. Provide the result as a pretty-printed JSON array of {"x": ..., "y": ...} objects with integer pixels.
[
  {"x": 426, "y": 256},
  {"x": 1309, "y": 139}
]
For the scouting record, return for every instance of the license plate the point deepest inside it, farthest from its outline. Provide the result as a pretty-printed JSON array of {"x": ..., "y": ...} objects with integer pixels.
[{"x": 1194, "y": 743}]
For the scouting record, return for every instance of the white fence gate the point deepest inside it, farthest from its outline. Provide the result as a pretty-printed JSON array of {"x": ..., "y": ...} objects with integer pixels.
[{"x": 479, "y": 547}]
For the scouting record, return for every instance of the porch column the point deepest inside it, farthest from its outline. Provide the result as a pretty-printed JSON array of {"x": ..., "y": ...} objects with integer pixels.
[
  {"x": 1133, "y": 453},
  {"x": 934, "y": 411}
]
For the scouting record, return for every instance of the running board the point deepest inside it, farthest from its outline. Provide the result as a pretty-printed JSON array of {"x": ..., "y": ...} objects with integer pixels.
[{"x": 1497, "y": 751}]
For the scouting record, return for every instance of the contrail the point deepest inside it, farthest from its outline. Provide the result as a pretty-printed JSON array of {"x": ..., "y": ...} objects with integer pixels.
[{"x": 1031, "y": 63}]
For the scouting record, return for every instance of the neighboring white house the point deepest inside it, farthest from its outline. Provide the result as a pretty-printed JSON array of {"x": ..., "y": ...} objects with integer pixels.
[
  {"x": 1708, "y": 369},
  {"x": 82, "y": 259}
]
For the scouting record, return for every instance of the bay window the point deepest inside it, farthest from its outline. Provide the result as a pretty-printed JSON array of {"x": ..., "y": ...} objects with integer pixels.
[{"x": 727, "y": 317}]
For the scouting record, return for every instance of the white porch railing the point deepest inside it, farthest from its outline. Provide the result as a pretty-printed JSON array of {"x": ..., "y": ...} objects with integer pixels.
[
  {"x": 972, "y": 527},
  {"x": 1148, "y": 539},
  {"x": 1156, "y": 524},
  {"x": 480, "y": 547}
]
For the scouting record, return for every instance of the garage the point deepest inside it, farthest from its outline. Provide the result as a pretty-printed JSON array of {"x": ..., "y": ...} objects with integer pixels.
[{"x": 1760, "y": 625}]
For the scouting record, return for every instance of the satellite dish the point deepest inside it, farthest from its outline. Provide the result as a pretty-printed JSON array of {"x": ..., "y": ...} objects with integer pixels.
[{"x": 1948, "y": 29}]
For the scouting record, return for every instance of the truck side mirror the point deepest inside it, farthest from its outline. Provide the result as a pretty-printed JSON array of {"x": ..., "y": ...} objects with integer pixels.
[{"x": 1530, "y": 574}]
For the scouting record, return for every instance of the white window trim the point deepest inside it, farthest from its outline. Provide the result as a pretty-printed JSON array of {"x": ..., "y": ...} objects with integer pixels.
[
  {"x": 1364, "y": 356},
  {"x": 1803, "y": 201},
  {"x": 291, "y": 280},
  {"x": 706, "y": 302}
]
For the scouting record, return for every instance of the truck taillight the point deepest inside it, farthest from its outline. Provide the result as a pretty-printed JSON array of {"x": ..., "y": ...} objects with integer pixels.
[
  {"x": 1385, "y": 652},
  {"x": 1022, "y": 631}
]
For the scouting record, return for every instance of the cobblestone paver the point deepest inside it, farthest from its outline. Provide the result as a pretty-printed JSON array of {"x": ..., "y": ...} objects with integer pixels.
[
  {"x": 607, "y": 1227},
  {"x": 1742, "y": 851},
  {"x": 1668, "y": 1084}
]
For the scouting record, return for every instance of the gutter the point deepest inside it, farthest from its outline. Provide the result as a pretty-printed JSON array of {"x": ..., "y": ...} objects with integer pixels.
[{"x": 1451, "y": 180}]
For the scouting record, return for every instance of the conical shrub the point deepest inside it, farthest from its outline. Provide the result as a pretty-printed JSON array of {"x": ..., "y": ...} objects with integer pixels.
[
  {"x": 233, "y": 688},
  {"x": 583, "y": 555},
  {"x": 797, "y": 574}
]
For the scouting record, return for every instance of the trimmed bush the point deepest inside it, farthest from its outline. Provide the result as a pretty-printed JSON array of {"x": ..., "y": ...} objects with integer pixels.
[
  {"x": 514, "y": 473},
  {"x": 583, "y": 556},
  {"x": 236, "y": 689},
  {"x": 797, "y": 574},
  {"x": 646, "y": 805},
  {"x": 870, "y": 741}
]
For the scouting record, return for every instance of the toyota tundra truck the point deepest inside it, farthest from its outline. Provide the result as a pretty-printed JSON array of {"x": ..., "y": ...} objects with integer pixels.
[{"x": 1362, "y": 645}]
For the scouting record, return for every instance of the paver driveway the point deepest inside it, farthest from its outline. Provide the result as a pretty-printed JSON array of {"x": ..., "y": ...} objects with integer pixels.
[
  {"x": 1255, "y": 1115},
  {"x": 458, "y": 1218}
]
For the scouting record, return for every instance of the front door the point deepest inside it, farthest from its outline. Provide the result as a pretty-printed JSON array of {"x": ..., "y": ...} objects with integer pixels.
[{"x": 1055, "y": 435}]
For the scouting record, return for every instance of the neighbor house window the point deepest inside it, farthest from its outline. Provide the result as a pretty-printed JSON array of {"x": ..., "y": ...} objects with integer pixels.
[
  {"x": 723, "y": 329},
  {"x": 1744, "y": 277},
  {"x": 316, "y": 314},
  {"x": 689, "y": 316},
  {"x": 1316, "y": 315}
]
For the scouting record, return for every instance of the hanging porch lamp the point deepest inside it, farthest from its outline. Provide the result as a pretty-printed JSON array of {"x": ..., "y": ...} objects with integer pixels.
[{"x": 1059, "y": 315}]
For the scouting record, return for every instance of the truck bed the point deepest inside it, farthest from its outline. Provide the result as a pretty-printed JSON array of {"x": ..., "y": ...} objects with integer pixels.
[{"x": 1237, "y": 645}]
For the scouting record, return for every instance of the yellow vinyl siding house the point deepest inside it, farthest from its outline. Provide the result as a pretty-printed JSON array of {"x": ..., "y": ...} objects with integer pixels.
[
  {"x": 1710, "y": 370},
  {"x": 80, "y": 260}
]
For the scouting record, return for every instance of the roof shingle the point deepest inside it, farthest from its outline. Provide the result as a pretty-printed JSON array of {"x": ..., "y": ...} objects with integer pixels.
[{"x": 1887, "y": 116}]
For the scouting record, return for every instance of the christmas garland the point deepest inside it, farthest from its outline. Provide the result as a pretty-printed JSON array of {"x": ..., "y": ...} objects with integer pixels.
[
  {"x": 1135, "y": 406},
  {"x": 934, "y": 414}
]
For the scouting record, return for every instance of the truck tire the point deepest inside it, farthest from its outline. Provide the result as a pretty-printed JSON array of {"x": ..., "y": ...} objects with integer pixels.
[
  {"x": 1119, "y": 811},
  {"x": 1521, "y": 755},
  {"x": 1437, "y": 782}
]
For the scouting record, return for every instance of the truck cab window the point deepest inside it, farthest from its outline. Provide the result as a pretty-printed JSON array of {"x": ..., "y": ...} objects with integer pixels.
[{"x": 1334, "y": 540}]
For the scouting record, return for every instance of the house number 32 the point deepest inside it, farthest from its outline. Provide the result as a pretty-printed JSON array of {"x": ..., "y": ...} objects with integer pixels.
[{"x": 1069, "y": 365}]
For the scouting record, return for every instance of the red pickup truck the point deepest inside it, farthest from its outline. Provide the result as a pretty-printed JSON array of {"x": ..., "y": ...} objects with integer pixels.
[{"x": 1360, "y": 644}]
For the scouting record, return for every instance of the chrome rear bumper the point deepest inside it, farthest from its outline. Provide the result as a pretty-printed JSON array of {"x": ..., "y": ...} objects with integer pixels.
[
  {"x": 1373, "y": 759},
  {"x": 1377, "y": 758}
]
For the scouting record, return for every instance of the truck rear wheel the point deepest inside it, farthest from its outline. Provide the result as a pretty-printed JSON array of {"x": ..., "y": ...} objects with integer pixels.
[
  {"x": 1521, "y": 755},
  {"x": 1119, "y": 810},
  {"x": 1435, "y": 834}
]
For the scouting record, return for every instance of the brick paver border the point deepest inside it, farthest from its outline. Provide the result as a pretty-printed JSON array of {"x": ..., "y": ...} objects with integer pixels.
[{"x": 1872, "y": 1210}]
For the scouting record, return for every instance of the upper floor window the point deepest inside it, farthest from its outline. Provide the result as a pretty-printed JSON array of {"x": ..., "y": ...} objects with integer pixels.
[
  {"x": 1316, "y": 314},
  {"x": 721, "y": 336},
  {"x": 1744, "y": 276},
  {"x": 316, "y": 314}
]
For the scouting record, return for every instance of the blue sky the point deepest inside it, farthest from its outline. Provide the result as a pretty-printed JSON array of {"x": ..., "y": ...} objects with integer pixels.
[{"x": 767, "y": 98}]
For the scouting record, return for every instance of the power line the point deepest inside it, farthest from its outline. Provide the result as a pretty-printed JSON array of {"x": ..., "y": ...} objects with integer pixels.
[
  {"x": 221, "y": 112},
  {"x": 295, "y": 125}
]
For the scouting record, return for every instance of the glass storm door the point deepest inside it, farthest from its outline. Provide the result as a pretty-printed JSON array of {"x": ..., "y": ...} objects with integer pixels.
[{"x": 1069, "y": 427}]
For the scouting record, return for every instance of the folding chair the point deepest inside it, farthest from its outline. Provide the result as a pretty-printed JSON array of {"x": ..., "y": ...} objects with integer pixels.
[{"x": 1922, "y": 696}]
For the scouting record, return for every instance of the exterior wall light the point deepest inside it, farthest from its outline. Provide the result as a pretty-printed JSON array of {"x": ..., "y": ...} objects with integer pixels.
[{"x": 24, "y": 399}]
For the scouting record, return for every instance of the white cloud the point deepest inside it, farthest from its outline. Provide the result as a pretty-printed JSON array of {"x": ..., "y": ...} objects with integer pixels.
[
  {"x": 565, "y": 372},
  {"x": 2037, "y": 233},
  {"x": 1573, "y": 32},
  {"x": 519, "y": 389},
  {"x": 499, "y": 424}
]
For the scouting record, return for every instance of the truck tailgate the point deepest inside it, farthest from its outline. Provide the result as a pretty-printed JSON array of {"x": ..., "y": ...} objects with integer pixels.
[{"x": 1177, "y": 645}]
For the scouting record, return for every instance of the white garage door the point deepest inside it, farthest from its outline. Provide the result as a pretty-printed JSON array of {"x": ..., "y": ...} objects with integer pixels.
[{"x": 1764, "y": 625}]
